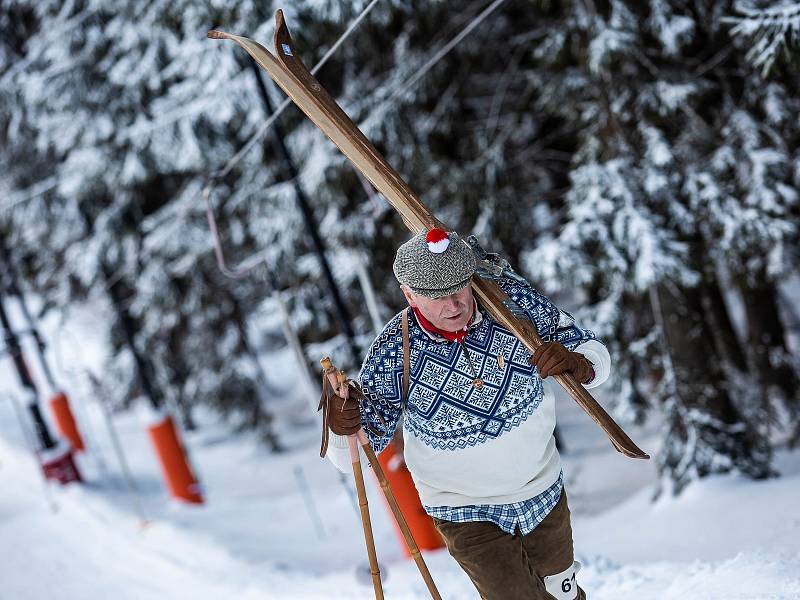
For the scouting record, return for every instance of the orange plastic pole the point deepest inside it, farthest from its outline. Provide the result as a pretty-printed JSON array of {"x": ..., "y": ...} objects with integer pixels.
[
  {"x": 421, "y": 525},
  {"x": 181, "y": 481},
  {"x": 65, "y": 420}
]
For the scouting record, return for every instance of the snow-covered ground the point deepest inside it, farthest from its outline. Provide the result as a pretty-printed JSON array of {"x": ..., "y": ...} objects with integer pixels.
[{"x": 258, "y": 534}]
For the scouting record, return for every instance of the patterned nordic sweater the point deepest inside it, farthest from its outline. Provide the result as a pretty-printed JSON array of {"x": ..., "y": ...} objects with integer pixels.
[{"x": 466, "y": 446}]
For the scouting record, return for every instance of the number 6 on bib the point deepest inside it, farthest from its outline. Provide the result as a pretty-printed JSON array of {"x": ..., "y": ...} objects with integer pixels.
[{"x": 563, "y": 586}]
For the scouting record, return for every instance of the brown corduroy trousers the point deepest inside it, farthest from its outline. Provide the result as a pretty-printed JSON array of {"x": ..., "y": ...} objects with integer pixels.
[{"x": 512, "y": 567}]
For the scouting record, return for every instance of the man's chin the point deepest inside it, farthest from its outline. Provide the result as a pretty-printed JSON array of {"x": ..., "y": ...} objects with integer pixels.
[{"x": 455, "y": 324}]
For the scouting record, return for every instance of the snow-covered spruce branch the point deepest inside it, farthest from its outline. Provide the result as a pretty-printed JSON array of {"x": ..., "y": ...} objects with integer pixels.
[{"x": 770, "y": 29}]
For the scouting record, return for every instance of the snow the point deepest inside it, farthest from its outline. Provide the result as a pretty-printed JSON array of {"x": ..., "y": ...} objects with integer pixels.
[
  {"x": 257, "y": 536},
  {"x": 716, "y": 520}
]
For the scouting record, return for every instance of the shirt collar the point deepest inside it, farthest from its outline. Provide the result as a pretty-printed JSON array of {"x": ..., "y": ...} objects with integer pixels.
[{"x": 439, "y": 335}]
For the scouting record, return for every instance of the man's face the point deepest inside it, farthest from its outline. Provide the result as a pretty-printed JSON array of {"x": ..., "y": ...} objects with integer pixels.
[{"x": 451, "y": 313}]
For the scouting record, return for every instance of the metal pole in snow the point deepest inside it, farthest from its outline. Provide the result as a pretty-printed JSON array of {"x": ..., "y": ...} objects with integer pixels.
[
  {"x": 30, "y": 443},
  {"x": 15, "y": 290},
  {"x": 90, "y": 438},
  {"x": 87, "y": 428},
  {"x": 363, "y": 275},
  {"x": 350, "y": 493},
  {"x": 305, "y": 490},
  {"x": 41, "y": 348},
  {"x": 297, "y": 348},
  {"x": 133, "y": 491},
  {"x": 369, "y": 293},
  {"x": 12, "y": 343}
]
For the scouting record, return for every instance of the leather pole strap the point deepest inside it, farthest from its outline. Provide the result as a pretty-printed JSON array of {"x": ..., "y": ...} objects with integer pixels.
[{"x": 406, "y": 356}]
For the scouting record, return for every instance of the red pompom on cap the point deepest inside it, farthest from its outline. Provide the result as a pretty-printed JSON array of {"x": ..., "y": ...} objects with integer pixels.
[{"x": 438, "y": 240}]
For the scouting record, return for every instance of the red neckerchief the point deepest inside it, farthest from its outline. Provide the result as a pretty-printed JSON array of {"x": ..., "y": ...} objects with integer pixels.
[{"x": 453, "y": 336}]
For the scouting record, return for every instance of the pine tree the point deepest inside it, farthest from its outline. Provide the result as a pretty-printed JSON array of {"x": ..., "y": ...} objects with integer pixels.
[
  {"x": 765, "y": 144},
  {"x": 654, "y": 91}
]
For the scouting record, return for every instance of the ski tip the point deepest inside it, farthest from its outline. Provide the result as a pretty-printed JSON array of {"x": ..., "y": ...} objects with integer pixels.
[
  {"x": 281, "y": 39},
  {"x": 215, "y": 34},
  {"x": 630, "y": 450},
  {"x": 636, "y": 453}
]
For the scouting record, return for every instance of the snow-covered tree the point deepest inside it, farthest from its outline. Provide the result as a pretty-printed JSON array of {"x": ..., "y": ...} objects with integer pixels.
[
  {"x": 631, "y": 157},
  {"x": 655, "y": 93},
  {"x": 128, "y": 106}
]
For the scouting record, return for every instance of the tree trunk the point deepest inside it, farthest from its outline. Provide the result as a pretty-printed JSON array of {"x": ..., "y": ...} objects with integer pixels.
[
  {"x": 766, "y": 341},
  {"x": 706, "y": 433},
  {"x": 629, "y": 374},
  {"x": 792, "y": 326},
  {"x": 726, "y": 341},
  {"x": 185, "y": 408}
]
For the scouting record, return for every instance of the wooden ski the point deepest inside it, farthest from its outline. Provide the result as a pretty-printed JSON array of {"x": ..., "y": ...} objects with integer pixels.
[{"x": 288, "y": 71}]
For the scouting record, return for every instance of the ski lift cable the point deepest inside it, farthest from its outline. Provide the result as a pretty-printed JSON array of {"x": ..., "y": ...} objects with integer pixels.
[
  {"x": 248, "y": 264},
  {"x": 32, "y": 192},
  {"x": 445, "y": 50}
]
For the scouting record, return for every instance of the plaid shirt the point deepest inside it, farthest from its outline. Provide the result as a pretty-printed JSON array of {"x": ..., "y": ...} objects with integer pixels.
[{"x": 525, "y": 515}]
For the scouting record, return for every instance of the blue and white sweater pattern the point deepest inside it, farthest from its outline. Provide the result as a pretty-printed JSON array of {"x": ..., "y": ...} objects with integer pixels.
[{"x": 445, "y": 410}]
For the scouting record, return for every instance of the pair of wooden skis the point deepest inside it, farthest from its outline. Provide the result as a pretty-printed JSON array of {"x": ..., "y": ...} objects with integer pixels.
[{"x": 289, "y": 72}]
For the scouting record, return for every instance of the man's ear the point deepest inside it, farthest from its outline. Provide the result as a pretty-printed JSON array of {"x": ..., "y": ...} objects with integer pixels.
[{"x": 409, "y": 296}]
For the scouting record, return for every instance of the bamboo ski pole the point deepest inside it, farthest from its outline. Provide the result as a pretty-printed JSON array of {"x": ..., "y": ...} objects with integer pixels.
[
  {"x": 387, "y": 491},
  {"x": 338, "y": 381},
  {"x": 398, "y": 515}
]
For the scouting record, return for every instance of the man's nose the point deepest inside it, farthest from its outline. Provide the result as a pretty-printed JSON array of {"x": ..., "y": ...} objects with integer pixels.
[{"x": 450, "y": 301}]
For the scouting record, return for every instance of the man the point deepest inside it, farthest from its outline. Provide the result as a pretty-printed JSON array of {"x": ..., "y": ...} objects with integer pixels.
[{"x": 477, "y": 419}]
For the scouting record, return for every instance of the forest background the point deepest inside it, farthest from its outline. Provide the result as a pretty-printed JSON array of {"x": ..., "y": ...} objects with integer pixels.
[{"x": 639, "y": 162}]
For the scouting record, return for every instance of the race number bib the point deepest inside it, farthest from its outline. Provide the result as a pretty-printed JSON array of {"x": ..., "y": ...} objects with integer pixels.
[{"x": 563, "y": 586}]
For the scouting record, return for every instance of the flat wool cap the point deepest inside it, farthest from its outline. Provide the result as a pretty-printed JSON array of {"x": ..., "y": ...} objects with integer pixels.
[{"x": 434, "y": 263}]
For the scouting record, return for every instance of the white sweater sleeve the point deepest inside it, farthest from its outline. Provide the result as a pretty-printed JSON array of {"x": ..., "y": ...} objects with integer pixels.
[
  {"x": 599, "y": 357},
  {"x": 339, "y": 453}
]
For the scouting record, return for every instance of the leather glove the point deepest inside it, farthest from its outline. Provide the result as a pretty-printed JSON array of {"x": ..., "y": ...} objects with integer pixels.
[
  {"x": 551, "y": 358},
  {"x": 344, "y": 417}
]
